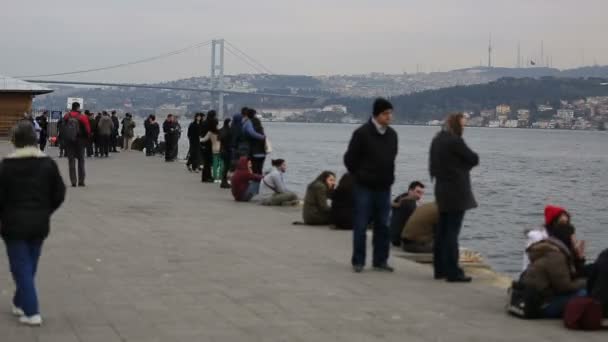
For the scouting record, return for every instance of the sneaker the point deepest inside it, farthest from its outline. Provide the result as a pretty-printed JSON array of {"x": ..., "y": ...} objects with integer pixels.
[
  {"x": 34, "y": 321},
  {"x": 17, "y": 312},
  {"x": 357, "y": 268},
  {"x": 384, "y": 268}
]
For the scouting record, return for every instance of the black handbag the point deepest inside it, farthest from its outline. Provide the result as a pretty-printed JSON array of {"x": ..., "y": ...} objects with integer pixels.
[{"x": 524, "y": 302}]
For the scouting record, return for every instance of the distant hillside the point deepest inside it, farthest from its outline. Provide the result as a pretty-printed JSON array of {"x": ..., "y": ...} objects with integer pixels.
[{"x": 519, "y": 93}]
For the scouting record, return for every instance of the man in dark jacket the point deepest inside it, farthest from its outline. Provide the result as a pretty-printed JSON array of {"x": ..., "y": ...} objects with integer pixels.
[
  {"x": 43, "y": 122},
  {"x": 451, "y": 161},
  {"x": 76, "y": 143},
  {"x": 104, "y": 132},
  {"x": 31, "y": 189},
  {"x": 114, "y": 138},
  {"x": 152, "y": 133},
  {"x": 370, "y": 158},
  {"x": 403, "y": 207},
  {"x": 226, "y": 151}
]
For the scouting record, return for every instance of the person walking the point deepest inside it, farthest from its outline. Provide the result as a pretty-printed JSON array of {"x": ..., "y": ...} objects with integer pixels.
[
  {"x": 43, "y": 122},
  {"x": 31, "y": 190},
  {"x": 96, "y": 136},
  {"x": 104, "y": 130},
  {"x": 77, "y": 132},
  {"x": 152, "y": 133},
  {"x": 114, "y": 137},
  {"x": 128, "y": 125},
  {"x": 370, "y": 158},
  {"x": 194, "y": 139},
  {"x": 451, "y": 161}
]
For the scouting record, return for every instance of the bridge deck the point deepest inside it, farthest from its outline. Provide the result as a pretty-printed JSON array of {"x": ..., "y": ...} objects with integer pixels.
[{"x": 148, "y": 253}]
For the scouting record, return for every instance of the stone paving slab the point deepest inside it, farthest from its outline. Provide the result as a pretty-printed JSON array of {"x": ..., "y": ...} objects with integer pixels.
[{"x": 146, "y": 252}]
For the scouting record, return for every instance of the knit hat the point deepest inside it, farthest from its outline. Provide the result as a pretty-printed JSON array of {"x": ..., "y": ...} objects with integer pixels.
[
  {"x": 381, "y": 105},
  {"x": 552, "y": 212}
]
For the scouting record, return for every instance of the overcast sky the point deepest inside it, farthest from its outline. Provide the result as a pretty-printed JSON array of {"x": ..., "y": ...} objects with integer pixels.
[{"x": 313, "y": 37}]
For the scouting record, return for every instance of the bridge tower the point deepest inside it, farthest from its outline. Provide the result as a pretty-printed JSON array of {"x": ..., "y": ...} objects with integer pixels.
[{"x": 217, "y": 76}]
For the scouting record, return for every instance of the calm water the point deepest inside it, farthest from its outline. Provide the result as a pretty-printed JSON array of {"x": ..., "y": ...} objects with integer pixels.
[{"x": 520, "y": 171}]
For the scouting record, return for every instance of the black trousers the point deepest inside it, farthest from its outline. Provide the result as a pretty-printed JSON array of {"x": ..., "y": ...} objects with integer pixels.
[
  {"x": 42, "y": 141},
  {"x": 97, "y": 143},
  {"x": 257, "y": 165},
  {"x": 194, "y": 155},
  {"x": 103, "y": 145},
  {"x": 90, "y": 147},
  {"x": 207, "y": 164},
  {"x": 445, "y": 249},
  {"x": 227, "y": 158},
  {"x": 75, "y": 152},
  {"x": 113, "y": 142},
  {"x": 150, "y": 146},
  {"x": 171, "y": 148}
]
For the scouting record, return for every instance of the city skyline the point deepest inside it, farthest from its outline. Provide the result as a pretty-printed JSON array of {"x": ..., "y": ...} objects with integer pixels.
[{"x": 298, "y": 37}]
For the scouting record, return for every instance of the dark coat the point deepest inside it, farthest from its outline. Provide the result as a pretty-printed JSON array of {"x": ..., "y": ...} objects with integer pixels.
[
  {"x": 316, "y": 210},
  {"x": 343, "y": 203},
  {"x": 257, "y": 147},
  {"x": 31, "y": 189},
  {"x": 403, "y": 208},
  {"x": 115, "y": 125},
  {"x": 552, "y": 270},
  {"x": 152, "y": 129},
  {"x": 371, "y": 157},
  {"x": 597, "y": 286},
  {"x": 194, "y": 132},
  {"x": 451, "y": 161}
]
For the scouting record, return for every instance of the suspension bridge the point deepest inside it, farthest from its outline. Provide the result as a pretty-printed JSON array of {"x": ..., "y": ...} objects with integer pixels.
[{"x": 217, "y": 87}]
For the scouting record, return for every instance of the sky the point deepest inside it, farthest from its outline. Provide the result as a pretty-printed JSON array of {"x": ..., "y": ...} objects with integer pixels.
[{"x": 303, "y": 37}]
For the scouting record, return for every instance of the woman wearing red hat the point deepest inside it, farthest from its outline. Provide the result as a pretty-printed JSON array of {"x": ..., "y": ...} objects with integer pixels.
[{"x": 553, "y": 216}]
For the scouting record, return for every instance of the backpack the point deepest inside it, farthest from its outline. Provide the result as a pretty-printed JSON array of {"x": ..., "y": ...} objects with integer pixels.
[
  {"x": 583, "y": 313},
  {"x": 71, "y": 129},
  {"x": 524, "y": 302}
]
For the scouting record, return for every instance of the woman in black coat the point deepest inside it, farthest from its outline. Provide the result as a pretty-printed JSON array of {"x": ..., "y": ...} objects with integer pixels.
[
  {"x": 451, "y": 160},
  {"x": 31, "y": 189},
  {"x": 194, "y": 140}
]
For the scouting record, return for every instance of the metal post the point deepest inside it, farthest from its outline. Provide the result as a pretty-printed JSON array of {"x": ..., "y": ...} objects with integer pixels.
[
  {"x": 212, "y": 77},
  {"x": 220, "y": 111}
]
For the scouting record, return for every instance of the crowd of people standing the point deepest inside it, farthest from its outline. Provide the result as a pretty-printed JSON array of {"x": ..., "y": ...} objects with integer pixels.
[{"x": 555, "y": 269}]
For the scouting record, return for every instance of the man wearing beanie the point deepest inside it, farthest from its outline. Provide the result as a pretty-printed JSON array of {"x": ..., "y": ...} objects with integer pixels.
[{"x": 371, "y": 159}]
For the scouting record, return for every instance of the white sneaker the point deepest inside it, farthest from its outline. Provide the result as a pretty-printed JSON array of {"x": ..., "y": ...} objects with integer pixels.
[
  {"x": 34, "y": 321},
  {"x": 17, "y": 312}
]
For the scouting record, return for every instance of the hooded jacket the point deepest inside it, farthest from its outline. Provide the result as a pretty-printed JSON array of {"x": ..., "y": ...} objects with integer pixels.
[
  {"x": 84, "y": 123},
  {"x": 535, "y": 235},
  {"x": 241, "y": 178},
  {"x": 421, "y": 225},
  {"x": 451, "y": 161},
  {"x": 31, "y": 189},
  {"x": 552, "y": 269},
  {"x": 105, "y": 126},
  {"x": 316, "y": 210}
]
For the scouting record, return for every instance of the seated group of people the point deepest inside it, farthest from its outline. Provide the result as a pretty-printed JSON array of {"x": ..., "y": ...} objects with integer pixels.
[
  {"x": 271, "y": 187},
  {"x": 555, "y": 266}
]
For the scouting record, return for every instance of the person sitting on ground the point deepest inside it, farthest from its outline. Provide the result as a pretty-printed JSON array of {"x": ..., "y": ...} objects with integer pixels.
[
  {"x": 316, "y": 209},
  {"x": 553, "y": 216},
  {"x": 553, "y": 270},
  {"x": 403, "y": 207},
  {"x": 417, "y": 236},
  {"x": 274, "y": 188},
  {"x": 245, "y": 184},
  {"x": 342, "y": 203},
  {"x": 31, "y": 190}
]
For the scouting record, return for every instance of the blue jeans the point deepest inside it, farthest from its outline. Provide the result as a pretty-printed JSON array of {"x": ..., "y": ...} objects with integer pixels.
[
  {"x": 371, "y": 207},
  {"x": 446, "y": 252},
  {"x": 557, "y": 306},
  {"x": 252, "y": 190},
  {"x": 23, "y": 258}
]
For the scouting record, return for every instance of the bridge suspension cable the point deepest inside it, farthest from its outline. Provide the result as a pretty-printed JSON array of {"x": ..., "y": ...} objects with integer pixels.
[
  {"x": 139, "y": 61},
  {"x": 251, "y": 59}
]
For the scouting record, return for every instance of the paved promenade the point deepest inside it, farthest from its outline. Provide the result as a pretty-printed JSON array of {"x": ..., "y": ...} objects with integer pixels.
[{"x": 148, "y": 253}]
